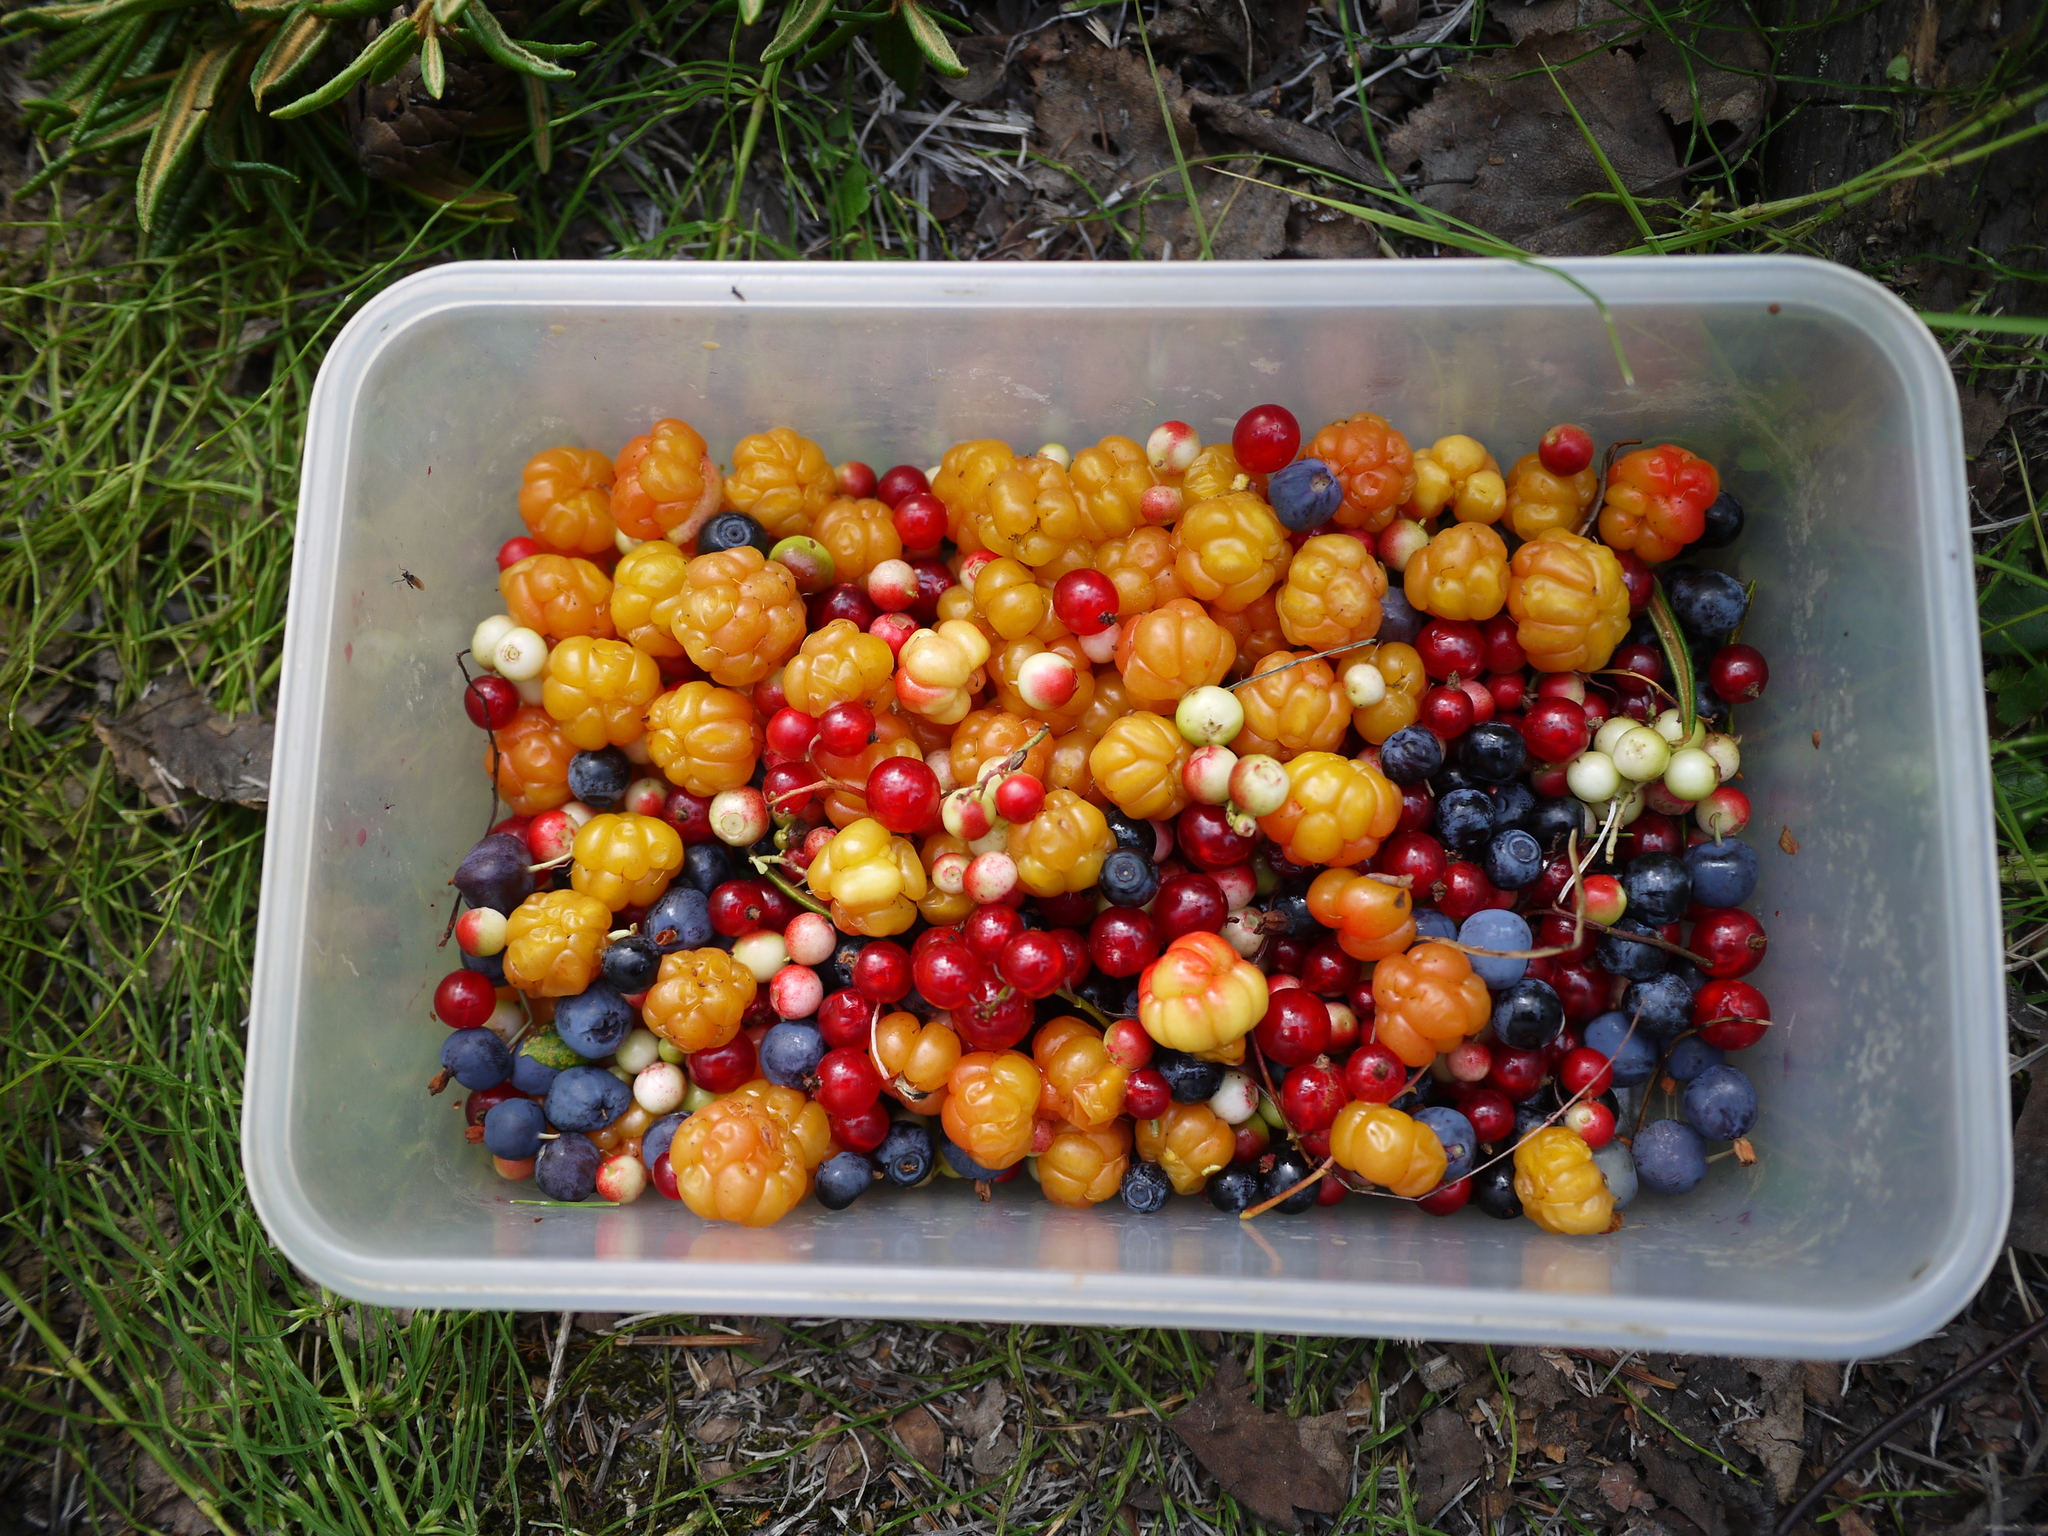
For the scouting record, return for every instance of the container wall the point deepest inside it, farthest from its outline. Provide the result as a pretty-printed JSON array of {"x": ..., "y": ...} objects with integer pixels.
[{"x": 1881, "y": 1192}]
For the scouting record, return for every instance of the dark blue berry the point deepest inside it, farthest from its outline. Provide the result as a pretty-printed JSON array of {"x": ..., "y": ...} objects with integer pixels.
[
  {"x": 1128, "y": 879},
  {"x": 1690, "y": 1057},
  {"x": 1493, "y": 1190},
  {"x": 1492, "y": 928},
  {"x": 837, "y": 971},
  {"x": 1724, "y": 523},
  {"x": 1633, "y": 1053},
  {"x": 1723, "y": 874},
  {"x": 655, "y": 1140},
  {"x": 965, "y": 1166},
  {"x": 729, "y": 530},
  {"x": 1116, "y": 996},
  {"x": 1455, "y": 1132},
  {"x": 1514, "y": 805},
  {"x": 1618, "y": 1168},
  {"x": 1464, "y": 818},
  {"x": 1513, "y": 859},
  {"x": 1130, "y": 832},
  {"x": 1707, "y": 604},
  {"x": 1658, "y": 887},
  {"x": 1235, "y": 1188},
  {"x": 1669, "y": 1157},
  {"x": 494, "y": 873},
  {"x": 680, "y": 919},
  {"x": 1290, "y": 908},
  {"x": 512, "y": 1129},
  {"x": 566, "y": 1168},
  {"x": 707, "y": 866},
  {"x": 476, "y": 1058},
  {"x": 1304, "y": 495},
  {"x": 1621, "y": 955},
  {"x": 1411, "y": 755},
  {"x": 1662, "y": 1004},
  {"x": 1432, "y": 924},
  {"x": 593, "y": 1021},
  {"x": 1707, "y": 704},
  {"x": 1527, "y": 1015},
  {"x": 842, "y": 1179},
  {"x": 1400, "y": 621},
  {"x": 598, "y": 779},
  {"x": 1192, "y": 1080},
  {"x": 1146, "y": 1188},
  {"x": 586, "y": 1099},
  {"x": 1721, "y": 1103},
  {"x": 1492, "y": 752},
  {"x": 1289, "y": 1169},
  {"x": 905, "y": 1155},
  {"x": 790, "y": 1053},
  {"x": 490, "y": 967},
  {"x": 630, "y": 964}
]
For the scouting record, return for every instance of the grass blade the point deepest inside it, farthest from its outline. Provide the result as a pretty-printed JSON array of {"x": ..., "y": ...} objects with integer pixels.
[
  {"x": 537, "y": 122},
  {"x": 1180, "y": 160},
  {"x": 2017, "y": 325},
  {"x": 186, "y": 106}
]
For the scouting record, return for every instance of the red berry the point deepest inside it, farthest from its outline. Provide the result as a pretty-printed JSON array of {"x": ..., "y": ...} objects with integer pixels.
[
  {"x": 845, "y": 728},
  {"x": 1730, "y": 1015},
  {"x": 881, "y": 973},
  {"x": 856, "y": 479},
  {"x": 514, "y": 826},
  {"x": 847, "y": 1081},
  {"x": 1583, "y": 990},
  {"x": 862, "y": 1132},
  {"x": 1593, "y": 1121},
  {"x": 791, "y": 732},
  {"x": 689, "y": 814},
  {"x": 1556, "y": 932},
  {"x": 1127, "y": 1044},
  {"x": 1451, "y": 646},
  {"x": 933, "y": 582},
  {"x": 1730, "y": 941},
  {"x": 737, "y": 908},
  {"x": 1188, "y": 903},
  {"x": 1296, "y": 1027},
  {"x": 1653, "y": 833},
  {"x": 945, "y": 974},
  {"x": 1446, "y": 711},
  {"x": 1634, "y": 668},
  {"x": 1418, "y": 808},
  {"x": 664, "y": 1179},
  {"x": 1637, "y": 576},
  {"x": 1555, "y": 730},
  {"x": 512, "y": 551},
  {"x": 1481, "y": 695},
  {"x": 1502, "y": 638},
  {"x": 490, "y": 702},
  {"x": 994, "y": 1017},
  {"x": 842, "y": 601},
  {"x": 464, "y": 999},
  {"x": 1085, "y": 601},
  {"x": 1738, "y": 673},
  {"x": 1123, "y": 941},
  {"x": 1327, "y": 971},
  {"x": 723, "y": 1068},
  {"x": 1034, "y": 963},
  {"x": 1516, "y": 1075},
  {"x": 1567, "y": 1041},
  {"x": 1491, "y": 1113},
  {"x": 1449, "y": 1199},
  {"x": 1265, "y": 438},
  {"x": 1018, "y": 796},
  {"x": 988, "y": 929},
  {"x": 1311, "y": 1095},
  {"x": 1375, "y": 1075},
  {"x": 1284, "y": 955},
  {"x": 1420, "y": 857},
  {"x": 1207, "y": 841},
  {"x": 1330, "y": 1190},
  {"x": 1566, "y": 449},
  {"x": 1252, "y": 1141},
  {"x": 1147, "y": 1095},
  {"x": 768, "y": 694},
  {"x": 898, "y": 482},
  {"x": 1466, "y": 890},
  {"x": 792, "y": 788},
  {"x": 484, "y": 1100},
  {"x": 1071, "y": 909},
  {"x": 1510, "y": 690},
  {"x": 903, "y": 795},
  {"x": 920, "y": 520},
  {"x": 1586, "y": 1071}
]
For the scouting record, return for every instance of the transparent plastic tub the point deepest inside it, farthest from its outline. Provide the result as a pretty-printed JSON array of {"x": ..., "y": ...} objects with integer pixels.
[{"x": 1881, "y": 1197}]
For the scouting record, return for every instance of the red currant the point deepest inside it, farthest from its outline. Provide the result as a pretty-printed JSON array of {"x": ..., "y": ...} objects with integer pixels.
[
  {"x": 920, "y": 520},
  {"x": 1449, "y": 1199},
  {"x": 898, "y": 482},
  {"x": 464, "y": 999},
  {"x": 903, "y": 795},
  {"x": 1730, "y": 1015},
  {"x": 1730, "y": 941},
  {"x": 1375, "y": 1075},
  {"x": 1446, "y": 711},
  {"x": 723, "y": 1068},
  {"x": 1085, "y": 601},
  {"x": 512, "y": 551},
  {"x": 1147, "y": 1094},
  {"x": 1565, "y": 449},
  {"x": 490, "y": 702},
  {"x": 1586, "y": 1071},
  {"x": 1123, "y": 941},
  {"x": 845, "y": 728},
  {"x": 1034, "y": 963},
  {"x": 1296, "y": 1027},
  {"x": 1311, "y": 1095},
  {"x": 1555, "y": 730},
  {"x": 1451, "y": 647},
  {"x": 1265, "y": 438},
  {"x": 863, "y": 1132},
  {"x": 1189, "y": 903},
  {"x": 847, "y": 1081},
  {"x": 1737, "y": 673},
  {"x": 1327, "y": 971}
]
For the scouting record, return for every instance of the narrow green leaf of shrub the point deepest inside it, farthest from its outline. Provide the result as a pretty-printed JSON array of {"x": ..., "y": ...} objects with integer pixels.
[
  {"x": 537, "y": 121},
  {"x": 80, "y": 13},
  {"x": 483, "y": 27},
  {"x": 800, "y": 18},
  {"x": 1677, "y": 656},
  {"x": 186, "y": 104},
  {"x": 291, "y": 48},
  {"x": 750, "y": 11},
  {"x": 390, "y": 47},
  {"x": 931, "y": 41},
  {"x": 347, "y": 10},
  {"x": 433, "y": 68},
  {"x": 446, "y": 12}
]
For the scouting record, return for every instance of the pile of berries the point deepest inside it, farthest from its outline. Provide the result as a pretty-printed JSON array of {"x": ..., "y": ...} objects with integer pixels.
[{"x": 1271, "y": 819}]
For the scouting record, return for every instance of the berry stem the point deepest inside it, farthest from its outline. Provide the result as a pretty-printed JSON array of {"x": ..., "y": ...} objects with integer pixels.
[
  {"x": 1082, "y": 1003},
  {"x": 1341, "y": 650},
  {"x": 1266, "y": 1205},
  {"x": 1600, "y": 486},
  {"x": 808, "y": 903}
]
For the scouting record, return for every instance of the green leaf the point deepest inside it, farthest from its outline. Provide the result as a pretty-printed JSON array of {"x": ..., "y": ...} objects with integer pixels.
[
  {"x": 389, "y": 50},
  {"x": 2021, "y": 691},
  {"x": 433, "y": 68},
  {"x": 488, "y": 35},
  {"x": 291, "y": 48},
  {"x": 347, "y": 10},
  {"x": 446, "y": 12},
  {"x": 800, "y": 18},
  {"x": 186, "y": 105},
  {"x": 537, "y": 122},
  {"x": 485, "y": 205},
  {"x": 898, "y": 54},
  {"x": 2018, "y": 325},
  {"x": 931, "y": 40},
  {"x": 81, "y": 13},
  {"x": 750, "y": 11},
  {"x": 1900, "y": 70},
  {"x": 853, "y": 194}
]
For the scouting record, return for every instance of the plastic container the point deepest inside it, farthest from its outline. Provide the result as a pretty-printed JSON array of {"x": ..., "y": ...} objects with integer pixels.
[{"x": 1881, "y": 1198}]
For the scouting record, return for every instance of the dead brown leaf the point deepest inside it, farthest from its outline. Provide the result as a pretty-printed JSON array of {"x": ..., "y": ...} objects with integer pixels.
[
  {"x": 1497, "y": 146},
  {"x": 1983, "y": 416},
  {"x": 718, "y": 1430},
  {"x": 2029, "y": 1228},
  {"x": 1098, "y": 113},
  {"x": 1271, "y": 1464},
  {"x": 1537, "y": 1384},
  {"x": 1677, "y": 1484},
  {"x": 856, "y": 1458},
  {"x": 1786, "y": 840},
  {"x": 919, "y": 1434},
  {"x": 1594, "y": 20},
  {"x": 1623, "y": 1489},
  {"x": 171, "y": 741},
  {"x": 1776, "y": 1438},
  {"x": 1850, "y": 1522},
  {"x": 1715, "y": 69},
  {"x": 1448, "y": 1457},
  {"x": 1248, "y": 34}
]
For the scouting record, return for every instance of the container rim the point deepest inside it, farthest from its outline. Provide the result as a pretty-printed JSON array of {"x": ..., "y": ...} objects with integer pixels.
[{"x": 1970, "y": 911}]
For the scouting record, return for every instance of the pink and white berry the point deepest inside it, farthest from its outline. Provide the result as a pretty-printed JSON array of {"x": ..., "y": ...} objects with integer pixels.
[
  {"x": 811, "y": 939},
  {"x": 481, "y": 932},
  {"x": 1172, "y": 446},
  {"x": 659, "y": 1088},
  {"x": 796, "y": 991}
]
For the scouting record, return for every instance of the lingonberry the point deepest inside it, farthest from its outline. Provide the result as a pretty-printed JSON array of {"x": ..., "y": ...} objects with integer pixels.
[
  {"x": 1565, "y": 449},
  {"x": 722, "y": 1068},
  {"x": 1123, "y": 941},
  {"x": 1481, "y": 695},
  {"x": 1127, "y": 1044},
  {"x": 1375, "y": 1075},
  {"x": 1448, "y": 1199},
  {"x": 1466, "y": 890},
  {"x": 792, "y": 789},
  {"x": 1327, "y": 971},
  {"x": 899, "y": 481},
  {"x": 933, "y": 582},
  {"x": 1295, "y": 1028},
  {"x": 846, "y": 728},
  {"x": 1189, "y": 903},
  {"x": 1723, "y": 813},
  {"x": 1446, "y": 711},
  {"x": 1469, "y": 1063},
  {"x": 1730, "y": 1015},
  {"x": 1252, "y": 1138},
  {"x": 1491, "y": 1112},
  {"x": 1147, "y": 1095},
  {"x": 1517, "y": 1075},
  {"x": 989, "y": 928},
  {"x": 903, "y": 795},
  {"x": 490, "y": 702},
  {"x": 1311, "y": 1095},
  {"x": 1509, "y": 690},
  {"x": 860, "y": 1133},
  {"x": 1208, "y": 841},
  {"x": 1737, "y": 673},
  {"x": 1633, "y": 669},
  {"x": 1593, "y": 1121},
  {"x": 1730, "y": 941},
  {"x": 1586, "y": 1071},
  {"x": 1637, "y": 577},
  {"x": 1085, "y": 601},
  {"x": 945, "y": 974},
  {"x": 845, "y": 1018},
  {"x": 1419, "y": 857},
  {"x": 1034, "y": 963},
  {"x": 843, "y": 600},
  {"x": 1018, "y": 796},
  {"x": 1265, "y": 438},
  {"x": 920, "y": 520},
  {"x": 1451, "y": 647},
  {"x": 512, "y": 551},
  {"x": 881, "y": 973},
  {"x": 848, "y": 1082},
  {"x": 689, "y": 814},
  {"x": 464, "y": 999}
]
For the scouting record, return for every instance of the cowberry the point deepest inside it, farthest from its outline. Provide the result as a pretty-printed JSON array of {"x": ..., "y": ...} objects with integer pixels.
[
  {"x": 1566, "y": 449},
  {"x": 1295, "y": 1028},
  {"x": 920, "y": 520},
  {"x": 1123, "y": 941},
  {"x": 1311, "y": 1095},
  {"x": 898, "y": 482},
  {"x": 1738, "y": 673},
  {"x": 1189, "y": 903},
  {"x": 1265, "y": 438},
  {"x": 1327, "y": 971},
  {"x": 1586, "y": 1071},
  {"x": 1375, "y": 1075},
  {"x": 464, "y": 999},
  {"x": 1451, "y": 647}
]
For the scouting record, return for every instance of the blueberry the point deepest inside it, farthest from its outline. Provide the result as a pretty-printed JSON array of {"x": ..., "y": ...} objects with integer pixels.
[
  {"x": 1146, "y": 1188},
  {"x": 905, "y": 1154},
  {"x": 1492, "y": 751},
  {"x": 1662, "y": 1005},
  {"x": 680, "y": 919},
  {"x": 476, "y": 1058},
  {"x": 1530, "y": 1115},
  {"x": 707, "y": 866},
  {"x": 729, "y": 530},
  {"x": 1432, "y": 924},
  {"x": 1444, "y": 780},
  {"x": 494, "y": 873},
  {"x": 1304, "y": 495},
  {"x": 842, "y": 1179},
  {"x": 1528, "y": 1015},
  {"x": 1464, "y": 818},
  {"x": 1289, "y": 1169},
  {"x": 656, "y": 1138},
  {"x": 790, "y": 1053},
  {"x": 1724, "y": 523},
  {"x": 490, "y": 967},
  {"x": 1493, "y": 1190},
  {"x": 1192, "y": 1080},
  {"x": 1620, "y": 955},
  {"x": 964, "y": 1165},
  {"x": 586, "y": 1099},
  {"x": 1513, "y": 860},
  {"x": 1720, "y": 1103},
  {"x": 1400, "y": 622},
  {"x": 1296, "y": 921},
  {"x": 593, "y": 1021},
  {"x": 1235, "y": 1188},
  {"x": 1690, "y": 1057},
  {"x": 1411, "y": 755},
  {"x": 1128, "y": 879},
  {"x": 567, "y": 1168},
  {"x": 1455, "y": 1132},
  {"x": 1633, "y": 1054},
  {"x": 1495, "y": 929},
  {"x": 1707, "y": 704},
  {"x": 837, "y": 971},
  {"x": 1514, "y": 805},
  {"x": 512, "y": 1129},
  {"x": 1658, "y": 887},
  {"x": 1723, "y": 874},
  {"x": 1618, "y": 1168},
  {"x": 1669, "y": 1157},
  {"x": 598, "y": 779},
  {"x": 541, "y": 1058},
  {"x": 1130, "y": 831},
  {"x": 630, "y": 964},
  {"x": 1707, "y": 604},
  {"x": 1116, "y": 996}
]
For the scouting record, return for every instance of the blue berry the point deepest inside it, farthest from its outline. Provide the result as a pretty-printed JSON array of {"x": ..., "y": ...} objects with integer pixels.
[
  {"x": 512, "y": 1129},
  {"x": 541, "y": 1059},
  {"x": 1662, "y": 1005},
  {"x": 842, "y": 1179},
  {"x": 1432, "y": 924},
  {"x": 566, "y": 1168},
  {"x": 1296, "y": 921},
  {"x": 1723, "y": 874},
  {"x": 905, "y": 1155},
  {"x": 476, "y": 1058},
  {"x": 707, "y": 866},
  {"x": 1658, "y": 887},
  {"x": 630, "y": 964},
  {"x": 1411, "y": 755},
  {"x": 1619, "y": 954},
  {"x": 593, "y": 1021},
  {"x": 1513, "y": 860},
  {"x": 1464, "y": 818},
  {"x": 1130, "y": 832},
  {"x": 599, "y": 778},
  {"x": 729, "y": 530},
  {"x": 1304, "y": 495},
  {"x": 1554, "y": 821},
  {"x": 1493, "y": 1190},
  {"x": 1492, "y": 752},
  {"x": 1400, "y": 620},
  {"x": 1527, "y": 1015},
  {"x": 1690, "y": 1057},
  {"x": 1720, "y": 1103},
  {"x": 490, "y": 967},
  {"x": 964, "y": 1165},
  {"x": 1618, "y": 1167},
  {"x": 1669, "y": 1157},
  {"x": 1146, "y": 1188},
  {"x": 1724, "y": 523},
  {"x": 655, "y": 1140},
  {"x": 1514, "y": 805},
  {"x": 1128, "y": 879},
  {"x": 1455, "y": 1132},
  {"x": 1495, "y": 929},
  {"x": 586, "y": 1099},
  {"x": 1192, "y": 1080},
  {"x": 790, "y": 1053},
  {"x": 1235, "y": 1188},
  {"x": 1289, "y": 1169},
  {"x": 1633, "y": 1054},
  {"x": 680, "y": 919},
  {"x": 1708, "y": 604},
  {"x": 494, "y": 873}
]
